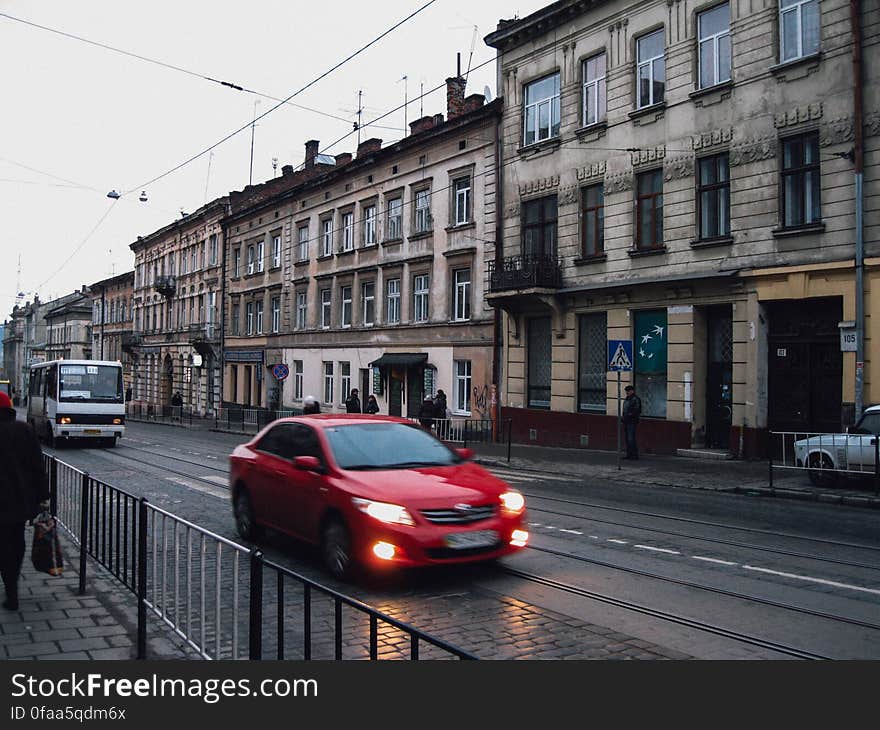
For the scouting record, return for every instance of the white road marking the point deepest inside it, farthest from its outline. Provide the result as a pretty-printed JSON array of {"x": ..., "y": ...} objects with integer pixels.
[
  {"x": 593, "y": 537},
  {"x": 212, "y": 491},
  {"x": 822, "y": 581},
  {"x": 712, "y": 560},
  {"x": 618, "y": 542},
  {"x": 656, "y": 549},
  {"x": 515, "y": 476},
  {"x": 534, "y": 524},
  {"x": 216, "y": 479},
  {"x": 570, "y": 532}
]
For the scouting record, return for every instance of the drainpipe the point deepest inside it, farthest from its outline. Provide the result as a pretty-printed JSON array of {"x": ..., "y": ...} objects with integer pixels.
[
  {"x": 222, "y": 322},
  {"x": 858, "y": 161}
]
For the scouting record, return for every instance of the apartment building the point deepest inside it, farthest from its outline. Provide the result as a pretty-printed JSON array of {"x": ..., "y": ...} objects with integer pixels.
[
  {"x": 113, "y": 321},
  {"x": 68, "y": 328},
  {"x": 370, "y": 274},
  {"x": 682, "y": 175}
]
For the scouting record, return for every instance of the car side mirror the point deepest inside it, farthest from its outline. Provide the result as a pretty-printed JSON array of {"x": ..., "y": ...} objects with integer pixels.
[
  {"x": 466, "y": 454},
  {"x": 308, "y": 463}
]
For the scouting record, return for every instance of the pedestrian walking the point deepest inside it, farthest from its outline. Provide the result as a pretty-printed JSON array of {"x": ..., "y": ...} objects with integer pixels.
[
  {"x": 353, "y": 403},
  {"x": 372, "y": 406},
  {"x": 440, "y": 409},
  {"x": 311, "y": 405},
  {"x": 632, "y": 410},
  {"x": 426, "y": 413},
  {"x": 24, "y": 491}
]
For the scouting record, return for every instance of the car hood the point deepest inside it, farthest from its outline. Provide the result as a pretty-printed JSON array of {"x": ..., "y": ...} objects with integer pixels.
[{"x": 427, "y": 488}]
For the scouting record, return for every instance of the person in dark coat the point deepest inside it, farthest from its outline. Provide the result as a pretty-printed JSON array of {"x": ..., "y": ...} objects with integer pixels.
[
  {"x": 23, "y": 490},
  {"x": 632, "y": 410},
  {"x": 311, "y": 405},
  {"x": 426, "y": 413},
  {"x": 372, "y": 406},
  {"x": 177, "y": 400},
  {"x": 440, "y": 405},
  {"x": 353, "y": 403}
]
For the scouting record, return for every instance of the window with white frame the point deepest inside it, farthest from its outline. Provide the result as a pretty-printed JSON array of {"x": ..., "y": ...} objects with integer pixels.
[
  {"x": 193, "y": 262},
  {"x": 347, "y": 231},
  {"x": 369, "y": 225},
  {"x": 276, "y": 250},
  {"x": 249, "y": 318},
  {"x": 420, "y": 298},
  {"x": 259, "y": 314},
  {"x": 595, "y": 94},
  {"x": 392, "y": 311},
  {"x": 461, "y": 387},
  {"x": 798, "y": 29},
  {"x": 326, "y": 303},
  {"x": 541, "y": 110},
  {"x": 183, "y": 260},
  {"x": 345, "y": 311},
  {"x": 368, "y": 303},
  {"x": 251, "y": 259},
  {"x": 326, "y": 239},
  {"x": 276, "y": 314},
  {"x": 461, "y": 200},
  {"x": 261, "y": 255},
  {"x": 651, "y": 70},
  {"x": 328, "y": 382},
  {"x": 203, "y": 254},
  {"x": 236, "y": 262},
  {"x": 423, "y": 211},
  {"x": 213, "y": 244},
  {"x": 461, "y": 281},
  {"x": 344, "y": 381},
  {"x": 713, "y": 27},
  {"x": 301, "y": 310},
  {"x": 395, "y": 215},
  {"x": 297, "y": 379}
]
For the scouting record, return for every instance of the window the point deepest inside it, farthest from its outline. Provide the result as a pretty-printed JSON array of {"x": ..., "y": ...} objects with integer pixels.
[
  {"x": 259, "y": 316},
  {"x": 347, "y": 231},
  {"x": 651, "y": 72},
  {"x": 302, "y": 251},
  {"x": 649, "y": 209},
  {"x": 261, "y": 255},
  {"x": 369, "y": 225},
  {"x": 192, "y": 260},
  {"x": 326, "y": 302},
  {"x": 236, "y": 262},
  {"x": 650, "y": 361},
  {"x": 801, "y": 192},
  {"x": 714, "y": 32},
  {"x": 345, "y": 312},
  {"x": 276, "y": 314},
  {"x": 326, "y": 240},
  {"x": 713, "y": 197},
  {"x": 798, "y": 28},
  {"x": 328, "y": 382},
  {"x": 395, "y": 212},
  {"x": 423, "y": 211},
  {"x": 276, "y": 248},
  {"x": 539, "y": 227},
  {"x": 595, "y": 101},
  {"x": 236, "y": 318},
  {"x": 249, "y": 318},
  {"x": 420, "y": 298},
  {"x": 593, "y": 220},
  {"x": 213, "y": 245},
  {"x": 345, "y": 380},
  {"x": 461, "y": 387},
  {"x": 298, "y": 379},
  {"x": 368, "y": 302},
  {"x": 183, "y": 260},
  {"x": 393, "y": 300},
  {"x": 592, "y": 346},
  {"x": 541, "y": 113},
  {"x": 251, "y": 259},
  {"x": 301, "y": 310},
  {"x": 461, "y": 200},
  {"x": 540, "y": 346},
  {"x": 461, "y": 281}
]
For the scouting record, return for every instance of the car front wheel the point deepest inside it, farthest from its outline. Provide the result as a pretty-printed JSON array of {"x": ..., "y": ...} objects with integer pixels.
[
  {"x": 336, "y": 549},
  {"x": 245, "y": 524},
  {"x": 822, "y": 472}
]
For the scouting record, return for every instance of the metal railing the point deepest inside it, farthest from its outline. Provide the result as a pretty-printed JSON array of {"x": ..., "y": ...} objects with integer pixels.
[
  {"x": 827, "y": 458},
  {"x": 210, "y": 590},
  {"x": 470, "y": 432},
  {"x": 520, "y": 272},
  {"x": 250, "y": 420}
]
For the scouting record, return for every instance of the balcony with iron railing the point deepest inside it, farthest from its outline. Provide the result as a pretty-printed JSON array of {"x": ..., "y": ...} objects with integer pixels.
[
  {"x": 131, "y": 340},
  {"x": 525, "y": 272},
  {"x": 166, "y": 285}
]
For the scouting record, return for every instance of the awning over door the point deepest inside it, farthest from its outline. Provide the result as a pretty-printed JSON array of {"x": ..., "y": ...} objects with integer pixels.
[{"x": 401, "y": 359}]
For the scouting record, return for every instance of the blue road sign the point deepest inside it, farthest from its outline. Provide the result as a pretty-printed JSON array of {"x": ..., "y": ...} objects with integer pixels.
[
  {"x": 280, "y": 371},
  {"x": 620, "y": 356}
]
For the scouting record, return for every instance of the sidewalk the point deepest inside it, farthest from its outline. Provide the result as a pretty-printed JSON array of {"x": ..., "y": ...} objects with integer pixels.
[{"x": 55, "y": 622}]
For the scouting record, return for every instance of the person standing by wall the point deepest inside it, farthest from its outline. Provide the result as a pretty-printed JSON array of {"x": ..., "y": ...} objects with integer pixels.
[
  {"x": 24, "y": 490},
  {"x": 353, "y": 402},
  {"x": 372, "y": 406},
  {"x": 632, "y": 410}
]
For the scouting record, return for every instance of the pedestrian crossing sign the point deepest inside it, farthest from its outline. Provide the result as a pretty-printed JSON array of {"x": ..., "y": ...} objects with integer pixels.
[{"x": 620, "y": 355}]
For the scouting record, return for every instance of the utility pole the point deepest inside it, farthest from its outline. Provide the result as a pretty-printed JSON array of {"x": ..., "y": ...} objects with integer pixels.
[{"x": 858, "y": 163}]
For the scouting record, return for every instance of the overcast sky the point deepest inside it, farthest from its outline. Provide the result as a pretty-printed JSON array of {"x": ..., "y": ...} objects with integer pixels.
[{"x": 80, "y": 120}]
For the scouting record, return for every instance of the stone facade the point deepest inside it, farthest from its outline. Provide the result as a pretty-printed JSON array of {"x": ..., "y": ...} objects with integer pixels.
[
  {"x": 113, "y": 322},
  {"x": 68, "y": 328}
]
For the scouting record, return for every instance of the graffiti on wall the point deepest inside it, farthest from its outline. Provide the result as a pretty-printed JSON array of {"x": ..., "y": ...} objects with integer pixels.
[{"x": 480, "y": 401}]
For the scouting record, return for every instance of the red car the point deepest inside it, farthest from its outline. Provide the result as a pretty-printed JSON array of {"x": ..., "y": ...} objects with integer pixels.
[{"x": 373, "y": 491}]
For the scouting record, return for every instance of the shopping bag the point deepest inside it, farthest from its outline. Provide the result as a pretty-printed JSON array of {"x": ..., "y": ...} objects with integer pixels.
[{"x": 46, "y": 548}]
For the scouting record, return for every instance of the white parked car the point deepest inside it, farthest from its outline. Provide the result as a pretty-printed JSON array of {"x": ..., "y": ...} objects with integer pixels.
[{"x": 853, "y": 451}]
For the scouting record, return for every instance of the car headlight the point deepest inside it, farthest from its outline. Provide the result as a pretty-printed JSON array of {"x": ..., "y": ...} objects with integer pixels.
[
  {"x": 393, "y": 514},
  {"x": 65, "y": 420},
  {"x": 513, "y": 502}
]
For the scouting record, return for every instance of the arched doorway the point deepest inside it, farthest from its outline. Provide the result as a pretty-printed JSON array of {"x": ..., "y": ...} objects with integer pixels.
[{"x": 167, "y": 382}]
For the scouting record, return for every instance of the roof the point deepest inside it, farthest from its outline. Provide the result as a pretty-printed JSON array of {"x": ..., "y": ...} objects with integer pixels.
[{"x": 516, "y": 32}]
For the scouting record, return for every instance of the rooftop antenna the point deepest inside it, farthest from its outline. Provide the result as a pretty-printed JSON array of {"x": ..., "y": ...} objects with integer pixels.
[
  {"x": 405, "y": 101},
  {"x": 274, "y": 167},
  {"x": 421, "y": 99},
  {"x": 471, "y": 56},
  {"x": 253, "y": 129},
  {"x": 208, "y": 176},
  {"x": 360, "y": 111}
]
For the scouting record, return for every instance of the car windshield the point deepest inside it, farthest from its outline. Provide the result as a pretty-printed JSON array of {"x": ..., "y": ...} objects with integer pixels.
[{"x": 386, "y": 446}]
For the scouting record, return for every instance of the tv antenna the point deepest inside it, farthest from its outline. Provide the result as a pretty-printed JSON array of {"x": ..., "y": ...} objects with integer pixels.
[{"x": 405, "y": 101}]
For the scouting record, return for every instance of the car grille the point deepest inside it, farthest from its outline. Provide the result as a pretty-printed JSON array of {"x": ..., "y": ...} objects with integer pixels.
[
  {"x": 459, "y": 517},
  {"x": 449, "y": 553}
]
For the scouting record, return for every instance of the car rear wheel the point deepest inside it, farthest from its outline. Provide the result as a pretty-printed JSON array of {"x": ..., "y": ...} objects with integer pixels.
[
  {"x": 244, "y": 517},
  {"x": 336, "y": 549},
  {"x": 821, "y": 471}
]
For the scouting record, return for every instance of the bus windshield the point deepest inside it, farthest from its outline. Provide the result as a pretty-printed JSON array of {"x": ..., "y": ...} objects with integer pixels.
[{"x": 97, "y": 383}]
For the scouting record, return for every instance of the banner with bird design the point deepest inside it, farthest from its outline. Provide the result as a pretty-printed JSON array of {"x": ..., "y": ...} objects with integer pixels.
[{"x": 650, "y": 341}]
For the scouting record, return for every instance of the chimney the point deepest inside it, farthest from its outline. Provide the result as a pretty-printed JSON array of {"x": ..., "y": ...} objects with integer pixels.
[
  {"x": 438, "y": 120},
  {"x": 311, "y": 153},
  {"x": 473, "y": 102},
  {"x": 421, "y": 125},
  {"x": 287, "y": 169},
  {"x": 368, "y": 146},
  {"x": 454, "y": 97},
  {"x": 343, "y": 159}
]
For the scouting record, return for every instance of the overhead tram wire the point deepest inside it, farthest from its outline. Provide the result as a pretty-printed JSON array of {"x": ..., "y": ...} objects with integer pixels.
[{"x": 277, "y": 106}]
